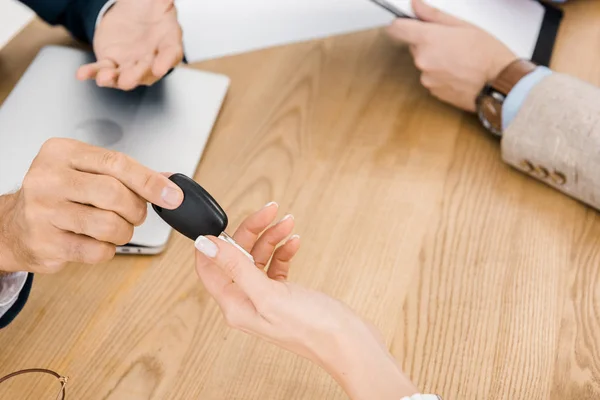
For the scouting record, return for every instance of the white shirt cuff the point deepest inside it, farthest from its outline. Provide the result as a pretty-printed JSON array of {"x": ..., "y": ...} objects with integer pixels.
[
  {"x": 10, "y": 288},
  {"x": 104, "y": 10}
]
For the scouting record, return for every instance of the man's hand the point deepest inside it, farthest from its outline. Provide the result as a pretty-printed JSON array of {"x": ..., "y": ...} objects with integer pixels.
[
  {"x": 456, "y": 58},
  {"x": 136, "y": 43},
  {"x": 76, "y": 204}
]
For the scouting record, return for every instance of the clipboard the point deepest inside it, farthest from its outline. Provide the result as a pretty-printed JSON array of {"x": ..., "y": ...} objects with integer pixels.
[
  {"x": 542, "y": 55},
  {"x": 547, "y": 35}
]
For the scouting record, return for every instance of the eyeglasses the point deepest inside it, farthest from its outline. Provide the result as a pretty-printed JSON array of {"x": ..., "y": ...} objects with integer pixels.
[{"x": 37, "y": 383}]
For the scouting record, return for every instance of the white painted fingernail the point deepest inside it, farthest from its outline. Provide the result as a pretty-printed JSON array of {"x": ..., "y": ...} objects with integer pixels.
[
  {"x": 293, "y": 238},
  {"x": 270, "y": 204},
  {"x": 206, "y": 247},
  {"x": 289, "y": 216}
]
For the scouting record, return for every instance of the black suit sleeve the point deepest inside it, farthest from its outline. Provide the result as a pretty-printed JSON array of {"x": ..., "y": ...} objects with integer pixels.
[
  {"x": 78, "y": 16},
  {"x": 11, "y": 314}
]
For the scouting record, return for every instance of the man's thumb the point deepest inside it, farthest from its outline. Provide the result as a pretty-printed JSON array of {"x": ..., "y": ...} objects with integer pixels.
[{"x": 427, "y": 13}]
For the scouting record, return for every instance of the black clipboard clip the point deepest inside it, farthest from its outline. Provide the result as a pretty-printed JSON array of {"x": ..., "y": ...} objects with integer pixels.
[{"x": 544, "y": 47}]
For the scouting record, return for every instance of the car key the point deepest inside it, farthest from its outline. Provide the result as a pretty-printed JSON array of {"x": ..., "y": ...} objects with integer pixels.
[{"x": 198, "y": 215}]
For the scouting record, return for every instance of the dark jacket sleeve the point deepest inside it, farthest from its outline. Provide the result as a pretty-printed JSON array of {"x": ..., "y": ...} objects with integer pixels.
[
  {"x": 78, "y": 16},
  {"x": 11, "y": 314}
]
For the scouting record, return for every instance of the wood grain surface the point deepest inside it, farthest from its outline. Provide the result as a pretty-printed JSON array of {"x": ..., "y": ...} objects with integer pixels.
[{"x": 485, "y": 283}]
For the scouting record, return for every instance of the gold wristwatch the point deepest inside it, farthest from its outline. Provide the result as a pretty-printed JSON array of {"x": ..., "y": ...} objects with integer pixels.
[{"x": 491, "y": 99}]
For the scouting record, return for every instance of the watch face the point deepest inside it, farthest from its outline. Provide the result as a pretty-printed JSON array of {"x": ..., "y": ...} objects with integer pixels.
[{"x": 489, "y": 109}]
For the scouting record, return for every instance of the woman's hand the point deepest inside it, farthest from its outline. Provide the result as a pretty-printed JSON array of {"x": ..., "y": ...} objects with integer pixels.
[{"x": 257, "y": 299}]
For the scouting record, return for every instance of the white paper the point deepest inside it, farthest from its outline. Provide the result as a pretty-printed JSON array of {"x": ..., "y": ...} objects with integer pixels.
[
  {"x": 517, "y": 23},
  {"x": 214, "y": 28},
  {"x": 13, "y": 17}
]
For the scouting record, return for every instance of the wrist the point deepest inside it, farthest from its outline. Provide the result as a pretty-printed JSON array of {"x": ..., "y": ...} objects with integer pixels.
[
  {"x": 104, "y": 10},
  {"x": 364, "y": 368},
  {"x": 8, "y": 262},
  {"x": 499, "y": 64},
  {"x": 491, "y": 100}
]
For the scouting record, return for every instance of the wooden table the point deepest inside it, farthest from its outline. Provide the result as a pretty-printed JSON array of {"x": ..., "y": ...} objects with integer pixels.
[{"x": 485, "y": 283}]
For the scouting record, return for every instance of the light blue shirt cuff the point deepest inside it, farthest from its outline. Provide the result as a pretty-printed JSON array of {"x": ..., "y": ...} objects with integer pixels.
[{"x": 518, "y": 94}]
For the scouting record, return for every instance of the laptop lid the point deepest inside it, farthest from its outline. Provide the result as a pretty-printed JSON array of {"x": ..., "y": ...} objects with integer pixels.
[{"x": 165, "y": 127}]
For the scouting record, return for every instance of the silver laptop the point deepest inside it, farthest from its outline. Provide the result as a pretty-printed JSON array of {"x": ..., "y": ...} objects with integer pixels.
[{"x": 165, "y": 127}]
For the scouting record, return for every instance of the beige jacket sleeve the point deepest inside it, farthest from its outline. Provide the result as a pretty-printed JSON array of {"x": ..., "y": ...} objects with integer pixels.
[{"x": 555, "y": 137}]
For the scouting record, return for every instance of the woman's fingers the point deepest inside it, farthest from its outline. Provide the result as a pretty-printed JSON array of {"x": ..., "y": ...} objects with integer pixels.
[
  {"x": 282, "y": 259},
  {"x": 220, "y": 286},
  {"x": 237, "y": 308},
  {"x": 265, "y": 246},
  {"x": 249, "y": 231},
  {"x": 214, "y": 279},
  {"x": 236, "y": 266}
]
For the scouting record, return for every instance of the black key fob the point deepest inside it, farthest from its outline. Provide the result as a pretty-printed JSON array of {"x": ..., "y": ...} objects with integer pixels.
[{"x": 198, "y": 215}]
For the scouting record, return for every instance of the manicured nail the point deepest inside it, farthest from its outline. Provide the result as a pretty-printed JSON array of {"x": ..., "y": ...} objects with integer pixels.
[
  {"x": 270, "y": 204},
  {"x": 289, "y": 216},
  {"x": 172, "y": 196},
  {"x": 206, "y": 247},
  {"x": 293, "y": 238}
]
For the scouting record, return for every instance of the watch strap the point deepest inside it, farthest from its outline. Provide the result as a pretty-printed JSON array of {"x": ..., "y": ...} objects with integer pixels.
[{"x": 512, "y": 74}]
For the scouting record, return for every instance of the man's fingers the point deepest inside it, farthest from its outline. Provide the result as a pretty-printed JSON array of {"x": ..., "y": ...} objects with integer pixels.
[
  {"x": 102, "y": 225},
  {"x": 252, "y": 281},
  {"x": 106, "y": 193},
  {"x": 266, "y": 244},
  {"x": 107, "y": 77},
  {"x": 427, "y": 13},
  {"x": 83, "y": 249},
  {"x": 133, "y": 75},
  {"x": 150, "y": 185},
  {"x": 167, "y": 58},
  {"x": 249, "y": 231},
  {"x": 280, "y": 264},
  {"x": 408, "y": 30},
  {"x": 415, "y": 31},
  {"x": 89, "y": 71}
]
